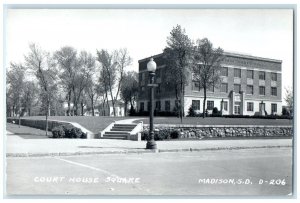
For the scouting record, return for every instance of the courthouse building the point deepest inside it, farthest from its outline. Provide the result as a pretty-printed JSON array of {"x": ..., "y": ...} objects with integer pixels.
[{"x": 250, "y": 86}]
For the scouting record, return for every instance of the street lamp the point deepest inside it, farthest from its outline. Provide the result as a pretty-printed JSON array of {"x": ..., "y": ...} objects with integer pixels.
[{"x": 151, "y": 67}]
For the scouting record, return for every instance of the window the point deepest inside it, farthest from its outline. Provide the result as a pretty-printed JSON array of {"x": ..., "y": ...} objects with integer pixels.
[
  {"x": 158, "y": 89},
  {"x": 142, "y": 108},
  {"x": 249, "y": 89},
  {"x": 157, "y": 105},
  {"x": 225, "y": 105},
  {"x": 261, "y": 90},
  {"x": 196, "y": 104},
  {"x": 237, "y": 88},
  {"x": 177, "y": 102},
  {"x": 142, "y": 89},
  {"x": 224, "y": 71},
  {"x": 274, "y": 108},
  {"x": 211, "y": 88},
  {"x": 237, "y": 72},
  {"x": 167, "y": 105},
  {"x": 210, "y": 105},
  {"x": 250, "y": 106},
  {"x": 196, "y": 86},
  {"x": 250, "y": 74},
  {"x": 274, "y": 91},
  {"x": 148, "y": 106},
  {"x": 262, "y": 75},
  {"x": 274, "y": 76},
  {"x": 224, "y": 87}
]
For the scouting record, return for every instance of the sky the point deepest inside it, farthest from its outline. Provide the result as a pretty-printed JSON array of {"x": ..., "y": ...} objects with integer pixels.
[{"x": 259, "y": 32}]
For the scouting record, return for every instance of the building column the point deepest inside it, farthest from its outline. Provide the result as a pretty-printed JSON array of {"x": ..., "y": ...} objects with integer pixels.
[{"x": 243, "y": 103}]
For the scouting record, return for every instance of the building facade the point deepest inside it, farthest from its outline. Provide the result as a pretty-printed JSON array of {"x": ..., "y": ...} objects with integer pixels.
[{"x": 250, "y": 86}]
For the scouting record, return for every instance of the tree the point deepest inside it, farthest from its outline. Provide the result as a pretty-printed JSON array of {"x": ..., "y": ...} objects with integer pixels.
[
  {"x": 178, "y": 55},
  {"x": 15, "y": 88},
  {"x": 86, "y": 67},
  {"x": 30, "y": 93},
  {"x": 40, "y": 63},
  {"x": 289, "y": 99},
  {"x": 206, "y": 67},
  {"x": 67, "y": 61},
  {"x": 123, "y": 60},
  {"x": 108, "y": 78},
  {"x": 129, "y": 89}
]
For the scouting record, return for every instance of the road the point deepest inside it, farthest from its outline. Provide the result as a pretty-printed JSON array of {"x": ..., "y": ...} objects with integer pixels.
[{"x": 265, "y": 171}]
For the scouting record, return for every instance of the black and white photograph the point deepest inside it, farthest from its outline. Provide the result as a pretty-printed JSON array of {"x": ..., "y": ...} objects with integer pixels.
[{"x": 149, "y": 101}]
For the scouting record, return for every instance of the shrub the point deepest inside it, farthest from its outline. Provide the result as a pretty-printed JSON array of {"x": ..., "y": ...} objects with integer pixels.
[
  {"x": 163, "y": 134},
  {"x": 146, "y": 136},
  {"x": 191, "y": 112},
  {"x": 175, "y": 134},
  {"x": 68, "y": 131},
  {"x": 58, "y": 132},
  {"x": 215, "y": 110},
  {"x": 76, "y": 132}
]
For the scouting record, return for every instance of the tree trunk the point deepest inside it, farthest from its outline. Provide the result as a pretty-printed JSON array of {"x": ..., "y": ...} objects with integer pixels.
[
  {"x": 69, "y": 103},
  {"x": 82, "y": 106},
  {"x": 181, "y": 102},
  {"x": 93, "y": 108},
  {"x": 204, "y": 102},
  {"x": 47, "y": 110}
]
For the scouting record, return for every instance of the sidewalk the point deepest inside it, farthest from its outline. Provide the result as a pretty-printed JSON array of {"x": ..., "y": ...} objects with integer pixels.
[{"x": 36, "y": 144}]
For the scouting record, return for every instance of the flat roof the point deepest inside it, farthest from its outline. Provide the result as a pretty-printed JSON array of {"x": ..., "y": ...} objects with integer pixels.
[{"x": 226, "y": 54}]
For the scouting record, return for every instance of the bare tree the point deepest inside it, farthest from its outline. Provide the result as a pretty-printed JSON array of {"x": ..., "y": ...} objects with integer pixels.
[
  {"x": 15, "y": 87},
  {"x": 129, "y": 89},
  {"x": 207, "y": 66},
  {"x": 289, "y": 99},
  {"x": 39, "y": 61},
  {"x": 67, "y": 61},
  {"x": 86, "y": 66},
  {"x": 108, "y": 78},
  {"x": 178, "y": 58}
]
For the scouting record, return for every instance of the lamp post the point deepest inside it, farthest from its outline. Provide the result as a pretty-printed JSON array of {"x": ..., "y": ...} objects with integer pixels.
[{"x": 151, "y": 67}]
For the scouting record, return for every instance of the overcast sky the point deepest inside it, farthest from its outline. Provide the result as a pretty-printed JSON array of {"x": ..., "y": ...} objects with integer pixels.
[{"x": 264, "y": 33}]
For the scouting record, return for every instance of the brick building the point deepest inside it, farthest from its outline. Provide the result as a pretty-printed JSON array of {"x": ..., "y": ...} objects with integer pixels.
[{"x": 250, "y": 86}]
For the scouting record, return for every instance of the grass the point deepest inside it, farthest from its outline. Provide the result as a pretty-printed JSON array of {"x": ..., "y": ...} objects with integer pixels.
[
  {"x": 99, "y": 123},
  {"x": 219, "y": 121},
  {"x": 26, "y": 132},
  {"x": 94, "y": 124}
]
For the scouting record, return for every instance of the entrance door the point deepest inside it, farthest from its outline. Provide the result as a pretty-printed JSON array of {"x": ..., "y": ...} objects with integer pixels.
[{"x": 237, "y": 108}]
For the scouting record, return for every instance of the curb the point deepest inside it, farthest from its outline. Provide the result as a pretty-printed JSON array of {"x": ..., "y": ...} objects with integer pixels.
[{"x": 137, "y": 151}]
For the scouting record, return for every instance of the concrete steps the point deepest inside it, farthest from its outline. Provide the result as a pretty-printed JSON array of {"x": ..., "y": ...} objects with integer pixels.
[{"x": 119, "y": 131}]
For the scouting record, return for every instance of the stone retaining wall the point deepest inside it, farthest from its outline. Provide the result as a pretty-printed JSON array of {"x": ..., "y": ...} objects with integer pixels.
[{"x": 226, "y": 131}]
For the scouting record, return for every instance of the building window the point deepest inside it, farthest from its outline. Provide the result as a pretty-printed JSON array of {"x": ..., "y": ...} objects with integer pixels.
[
  {"x": 262, "y": 75},
  {"x": 148, "y": 106},
  {"x": 250, "y": 106},
  {"x": 177, "y": 104},
  {"x": 225, "y": 105},
  {"x": 237, "y": 73},
  {"x": 196, "y": 104},
  {"x": 158, "y": 89},
  {"x": 262, "y": 90},
  {"x": 274, "y": 108},
  {"x": 142, "y": 108},
  {"x": 224, "y": 87},
  {"x": 274, "y": 91},
  {"x": 196, "y": 86},
  {"x": 211, "y": 88},
  {"x": 250, "y": 74},
  {"x": 249, "y": 89},
  {"x": 237, "y": 88},
  {"x": 157, "y": 105},
  {"x": 274, "y": 76},
  {"x": 210, "y": 105},
  {"x": 167, "y": 105},
  {"x": 224, "y": 71},
  {"x": 142, "y": 89}
]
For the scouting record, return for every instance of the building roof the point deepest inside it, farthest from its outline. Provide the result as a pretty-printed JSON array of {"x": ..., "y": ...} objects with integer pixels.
[{"x": 233, "y": 54}]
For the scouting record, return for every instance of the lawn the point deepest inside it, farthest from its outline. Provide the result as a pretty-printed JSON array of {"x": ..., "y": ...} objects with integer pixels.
[
  {"x": 99, "y": 123},
  {"x": 94, "y": 124},
  {"x": 219, "y": 121}
]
